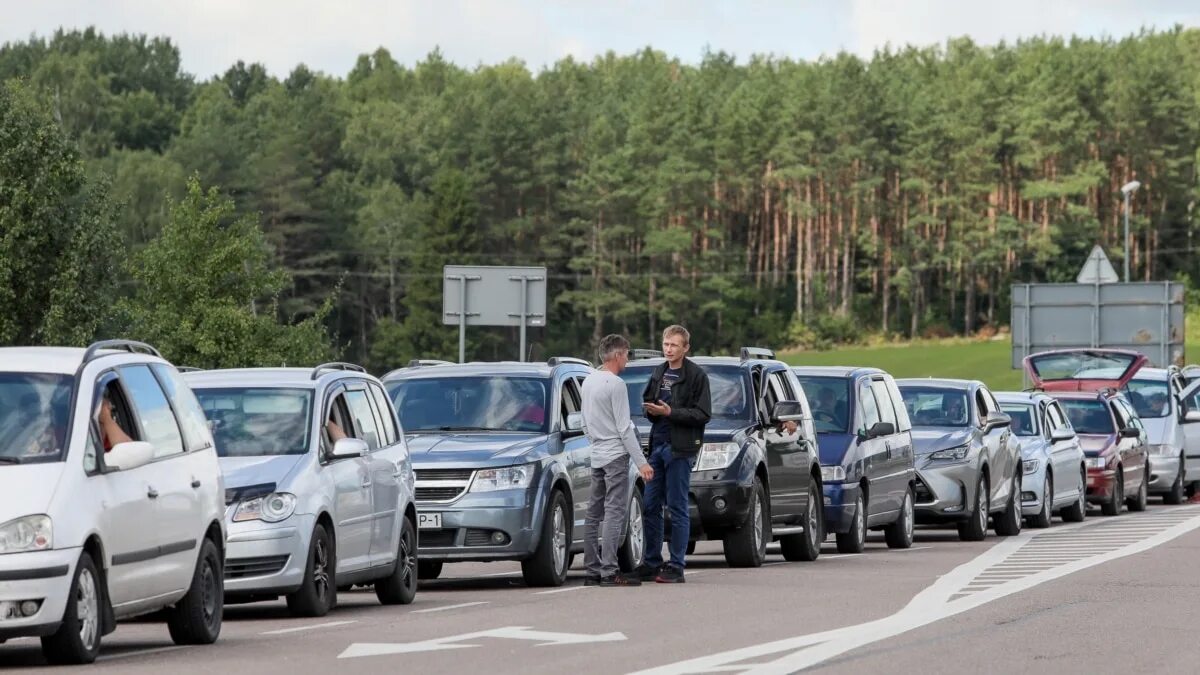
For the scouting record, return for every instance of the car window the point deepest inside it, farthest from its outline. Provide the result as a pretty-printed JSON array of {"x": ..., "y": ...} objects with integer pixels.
[
  {"x": 472, "y": 403},
  {"x": 192, "y": 421},
  {"x": 1059, "y": 417},
  {"x": 364, "y": 419},
  {"x": 868, "y": 408},
  {"x": 883, "y": 400},
  {"x": 1119, "y": 413},
  {"x": 981, "y": 406},
  {"x": 384, "y": 406},
  {"x": 933, "y": 406},
  {"x": 258, "y": 421},
  {"x": 570, "y": 398},
  {"x": 1089, "y": 416},
  {"x": 339, "y": 415},
  {"x": 783, "y": 388},
  {"x": 154, "y": 415},
  {"x": 1024, "y": 421},
  {"x": 378, "y": 417},
  {"x": 34, "y": 408},
  {"x": 1149, "y": 398},
  {"x": 905, "y": 424}
]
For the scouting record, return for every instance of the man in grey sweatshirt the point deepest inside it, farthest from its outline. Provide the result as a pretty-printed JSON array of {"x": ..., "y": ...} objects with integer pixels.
[{"x": 614, "y": 443}]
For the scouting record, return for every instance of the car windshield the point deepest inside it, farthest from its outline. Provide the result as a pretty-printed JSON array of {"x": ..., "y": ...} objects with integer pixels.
[
  {"x": 1082, "y": 365},
  {"x": 34, "y": 408},
  {"x": 254, "y": 422},
  {"x": 483, "y": 403},
  {"x": 1088, "y": 416},
  {"x": 726, "y": 386},
  {"x": 936, "y": 406},
  {"x": 830, "y": 400},
  {"x": 1024, "y": 422},
  {"x": 1150, "y": 398}
]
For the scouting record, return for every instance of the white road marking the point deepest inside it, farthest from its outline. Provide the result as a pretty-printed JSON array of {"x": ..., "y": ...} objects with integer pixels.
[
  {"x": 298, "y": 629},
  {"x": 143, "y": 652},
  {"x": 442, "y": 609},
  {"x": 956, "y": 592},
  {"x": 543, "y": 638},
  {"x": 564, "y": 590},
  {"x": 906, "y": 550}
]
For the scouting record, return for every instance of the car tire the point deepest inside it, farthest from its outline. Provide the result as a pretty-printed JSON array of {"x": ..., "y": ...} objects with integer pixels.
[
  {"x": 428, "y": 570},
  {"x": 400, "y": 587},
  {"x": 1043, "y": 518},
  {"x": 548, "y": 564},
  {"x": 855, "y": 540},
  {"x": 900, "y": 533},
  {"x": 1077, "y": 511},
  {"x": 806, "y": 546},
  {"x": 975, "y": 527},
  {"x": 1113, "y": 506},
  {"x": 747, "y": 545},
  {"x": 633, "y": 549},
  {"x": 196, "y": 619},
  {"x": 1008, "y": 523},
  {"x": 1138, "y": 502},
  {"x": 318, "y": 591},
  {"x": 1176, "y": 494},
  {"x": 77, "y": 640}
]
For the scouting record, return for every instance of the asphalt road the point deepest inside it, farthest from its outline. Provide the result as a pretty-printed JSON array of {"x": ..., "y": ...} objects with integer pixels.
[{"x": 1111, "y": 595}]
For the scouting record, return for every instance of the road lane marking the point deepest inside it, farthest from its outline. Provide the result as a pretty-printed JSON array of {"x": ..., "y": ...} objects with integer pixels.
[
  {"x": 442, "y": 609},
  {"x": 541, "y": 637},
  {"x": 142, "y": 652},
  {"x": 298, "y": 629},
  {"x": 563, "y": 590}
]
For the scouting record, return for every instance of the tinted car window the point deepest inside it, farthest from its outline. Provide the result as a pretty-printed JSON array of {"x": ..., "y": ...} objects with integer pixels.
[
  {"x": 884, "y": 400},
  {"x": 154, "y": 413},
  {"x": 726, "y": 385},
  {"x": 936, "y": 406},
  {"x": 34, "y": 408},
  {"x": 1150, "y": 398},
  {"x": 1024, "y": 421},
  {"x": 364, "y": 418},
  {"x": 486, "y": 403},
  {"x": 385, "y": 410},
  {"x": 192, "y": 421},
  {"x": 867, "y": 405},
  {"x": 249, "y": 422},
  {"x": 1089, "y": 416},
  {"x": 829, "y": 398}
]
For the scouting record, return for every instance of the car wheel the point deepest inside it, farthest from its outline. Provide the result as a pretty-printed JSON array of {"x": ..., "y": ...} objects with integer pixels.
[
  {"x": 1043, "y": 518},
  {"x": 1008, "y": 524},
  {"x": 747, "y": 545},
  {"x": 196, "y": 619},
  {"x": 1176, "y": 496},
  {"x": 975, "y": 527},
  {"x": 633, "y": 549},
  {"x": 1077, "y": 511},
  {"x": 400, "y": 587},
  {"x": 855, "y": 540},
  {"x": 428, "y": 570},
  {"x": 77, "y": 640},
  {"x": 318, "y": 591},
  {"x": 900, "y": 533},
  {"x": 1113, "y": 506},
  {"x": 806, "y": 546},
  {"x": 548, "y": 564},
  {"x": 1138, "y": 502}
]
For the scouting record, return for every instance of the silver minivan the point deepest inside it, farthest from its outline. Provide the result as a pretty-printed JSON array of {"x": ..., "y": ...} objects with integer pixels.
[{"x": 1155, "y": 394}]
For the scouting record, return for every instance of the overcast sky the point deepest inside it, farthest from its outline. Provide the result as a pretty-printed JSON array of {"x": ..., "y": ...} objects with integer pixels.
[{"x": 329, "y": 36}]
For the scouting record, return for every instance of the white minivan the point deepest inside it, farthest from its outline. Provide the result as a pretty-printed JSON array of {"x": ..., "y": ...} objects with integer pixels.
[{"x": 112, "y": 499}]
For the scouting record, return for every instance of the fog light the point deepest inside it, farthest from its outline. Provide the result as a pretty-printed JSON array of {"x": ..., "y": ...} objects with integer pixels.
[
  {"x": 719, "y": 503},
  {"x": 30, "y": 607},
  {"x": 1028, "y": 497},
  {"x": 499, "y": 538}
]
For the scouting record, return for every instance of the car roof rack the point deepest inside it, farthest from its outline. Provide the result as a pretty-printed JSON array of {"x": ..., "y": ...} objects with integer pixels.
[
  {"x": 757, "y": 353},
  {"x": 561, "y": 360},
  {"x": 131, "y": 346},
  {"x": 638, "y": 354},
  {"x": 336, "y": 365},
  {"x": 418, "y": 363}
]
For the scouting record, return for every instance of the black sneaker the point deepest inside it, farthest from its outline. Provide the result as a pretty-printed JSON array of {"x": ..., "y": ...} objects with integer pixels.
[
  {"x": 645, "y": 572},
  {"x": 669, "y": 574},
  {"x": 620, "y": 580},
  {"x": 591, "y": 580}
]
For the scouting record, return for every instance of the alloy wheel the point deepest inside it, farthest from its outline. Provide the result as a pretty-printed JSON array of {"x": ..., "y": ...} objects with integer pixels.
[
  {"x": 560, "y": 539},
  {"x": 87, "y": 609},
  {"x": 637, "y": 537},
  {"x": 320, "y": 574}
]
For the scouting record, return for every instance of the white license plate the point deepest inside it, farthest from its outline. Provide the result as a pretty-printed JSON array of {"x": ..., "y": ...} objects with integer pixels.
[{"x": 429, "y": 521}]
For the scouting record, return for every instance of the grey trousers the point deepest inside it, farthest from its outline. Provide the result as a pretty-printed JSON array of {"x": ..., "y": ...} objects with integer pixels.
[{"x": 609, "y": 504}]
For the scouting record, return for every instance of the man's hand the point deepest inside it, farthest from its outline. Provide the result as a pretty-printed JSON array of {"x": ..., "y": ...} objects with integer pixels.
[
  {"x": 660, "y": 409},
  {"x": 647, "y": 472}
]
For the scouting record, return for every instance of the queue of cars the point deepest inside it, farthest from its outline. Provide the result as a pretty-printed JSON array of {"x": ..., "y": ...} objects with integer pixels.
[{"x": 133, "y": 488}]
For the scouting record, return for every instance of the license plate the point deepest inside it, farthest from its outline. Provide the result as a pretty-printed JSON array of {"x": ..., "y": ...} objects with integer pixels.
[{"x": 429, "y": 521}]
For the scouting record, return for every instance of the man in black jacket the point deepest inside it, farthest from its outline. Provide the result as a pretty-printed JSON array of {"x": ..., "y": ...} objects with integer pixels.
[{"x": 678, "y": 405}]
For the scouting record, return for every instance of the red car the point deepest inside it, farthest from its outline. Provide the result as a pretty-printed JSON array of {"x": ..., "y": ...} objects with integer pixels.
[{"x": 1088, "y": 383}]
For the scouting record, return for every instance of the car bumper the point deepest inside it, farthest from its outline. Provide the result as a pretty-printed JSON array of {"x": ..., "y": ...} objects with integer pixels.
[
  {"x": 1032, "y": 488},
  {"x": 1100, "y": 484},
  {"x": 470, "y": 524},
  {"x": 1163, "y": 473},
  {"x": 840, "y": 499},
  {"x": 718, "y": 506},
  {"x": 943, "y": 492},
  {"x": 267, "y": 558},
  {"x": 42, "y": 576}
]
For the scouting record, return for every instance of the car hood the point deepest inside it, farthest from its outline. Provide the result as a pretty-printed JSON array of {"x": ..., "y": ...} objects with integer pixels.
[
  {"x": 1157, "y": 430},
  {"x": 833, "y": 447},
  {"x": 243, "y": 471},
  {"x": 1094, "y": 444},
  {"x": 472, "y": 449},
  {"x": 28, "y": 488},
  {"x": 717, "y": 430},
  {"x": 930, "y": 439}
]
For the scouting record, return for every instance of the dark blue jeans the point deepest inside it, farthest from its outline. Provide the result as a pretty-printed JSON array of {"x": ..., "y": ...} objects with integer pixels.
[{"x": 672, "y": 479}]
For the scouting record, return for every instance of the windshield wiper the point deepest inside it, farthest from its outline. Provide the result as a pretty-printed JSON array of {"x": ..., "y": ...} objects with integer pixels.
[
  {"x": 10, "y": 460},
  {"x": 451, "y": 428}
]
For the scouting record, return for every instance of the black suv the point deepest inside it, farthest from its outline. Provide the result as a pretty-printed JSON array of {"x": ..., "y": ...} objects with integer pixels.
[{"x": 754, "y": 480}]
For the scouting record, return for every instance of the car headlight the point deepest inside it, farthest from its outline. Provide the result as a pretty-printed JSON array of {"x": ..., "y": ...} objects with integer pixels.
[
  {"x": 1028, "y": 466},
  {"x": 31, "y": 533},
  {"x": 833, "y": 474},
  {"x": 271, "y": 508},
  {"x": 953, "y": 454},
  {"x": 716, "y": 456},
  {"x": 503, "y": 478},
  {"x": 1097, "y": 462}
]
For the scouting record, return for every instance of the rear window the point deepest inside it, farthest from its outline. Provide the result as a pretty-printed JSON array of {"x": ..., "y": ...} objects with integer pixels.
[{"x": 1088, "y": 416}]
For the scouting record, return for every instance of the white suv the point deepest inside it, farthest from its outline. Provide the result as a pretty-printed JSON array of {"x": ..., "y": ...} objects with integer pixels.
[{"x": 112, "y": 498}]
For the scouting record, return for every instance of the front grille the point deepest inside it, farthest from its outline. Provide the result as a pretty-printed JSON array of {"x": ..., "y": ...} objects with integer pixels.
[
  {"x": 442, "y": 485},
  {"x": 437, "y": 494},
  {"x": 240, "y": 568},
  {"x": 923, "y": 492},
  {"x": 444, "y": 474},
  {"x": 437, "y": 538}
]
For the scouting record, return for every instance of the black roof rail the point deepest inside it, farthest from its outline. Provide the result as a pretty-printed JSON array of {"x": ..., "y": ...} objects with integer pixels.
[
  {"x": 560, "y": 360},
  {"x": 336, "y": 365},
  {"x": 757, "y": 353},
  {"x": 638, "y": 354},
  {"x": 131, "y": 346},
  {"x": 417, "y": 363}
]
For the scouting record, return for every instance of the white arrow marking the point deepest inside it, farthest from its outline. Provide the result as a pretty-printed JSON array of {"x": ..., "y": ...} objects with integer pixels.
[{"x": 545, "y": 638}]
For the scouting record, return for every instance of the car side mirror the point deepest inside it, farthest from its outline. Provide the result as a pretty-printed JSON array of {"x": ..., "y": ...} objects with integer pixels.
[
  {"x": 349, "y": 447},
  {"x": 1130, "y": 432},
  {"x": 575, "y": 423},
  {"x": 1061, "y": 434},
  {"x": 787, "y": 411},
  {"x": 1191, "y": 417},
  {"x": 997, "y": 419},
  {"x": 129, "y": 455},
  {"x": 881, "y": 429}
]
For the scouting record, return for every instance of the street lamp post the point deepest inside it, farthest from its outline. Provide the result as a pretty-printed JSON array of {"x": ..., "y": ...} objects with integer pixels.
[{"x": 1127, "y": 190}]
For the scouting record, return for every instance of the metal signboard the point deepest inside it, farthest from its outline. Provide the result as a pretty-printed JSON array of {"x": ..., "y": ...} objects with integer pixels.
[
  {"x": 474, "y": 295},
  {"x": 1098, "y": 269}
]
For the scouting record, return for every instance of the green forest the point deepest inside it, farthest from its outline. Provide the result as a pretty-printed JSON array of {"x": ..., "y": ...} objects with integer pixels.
[{"x": 249, "y": 219}]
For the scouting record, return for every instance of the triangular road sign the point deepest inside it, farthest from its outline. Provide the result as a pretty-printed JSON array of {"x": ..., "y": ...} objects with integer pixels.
[{"x": 1097, "y": 269}]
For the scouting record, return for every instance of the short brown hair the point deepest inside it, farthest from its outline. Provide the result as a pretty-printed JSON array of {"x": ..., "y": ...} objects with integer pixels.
[
  {"x": 611, "y": 346},
  {"x": 682, "y": 332}
]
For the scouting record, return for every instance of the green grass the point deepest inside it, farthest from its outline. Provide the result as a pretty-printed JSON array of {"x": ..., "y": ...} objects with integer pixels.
[{"x": 988, "y": 361}]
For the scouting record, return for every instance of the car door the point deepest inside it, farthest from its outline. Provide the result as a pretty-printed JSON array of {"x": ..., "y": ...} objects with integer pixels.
[
  {"x": 1127, "y": 448},
  {"x": 892, "y": 482},
  {"x": 384, "y": 491},
  {"x": 996, "y": 441},
  {"x": 794, "y": 449},
  {"x": 901, "y": 445},
  {"x": 1064, "y": 455},
  {"x": 1135, "y": 468},
  {"x": 577, "y": 452},
  {"x": 351, "y": 480},
  {"x": 873, "y": 451},
  {"x": 390, "y": 477},
  {"x": 177, "y": 502},
  {"x": 1191, "y": 430}
]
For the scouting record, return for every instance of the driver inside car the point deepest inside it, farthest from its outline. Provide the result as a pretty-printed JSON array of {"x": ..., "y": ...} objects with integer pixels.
[{"x": 952, "y": 409}]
